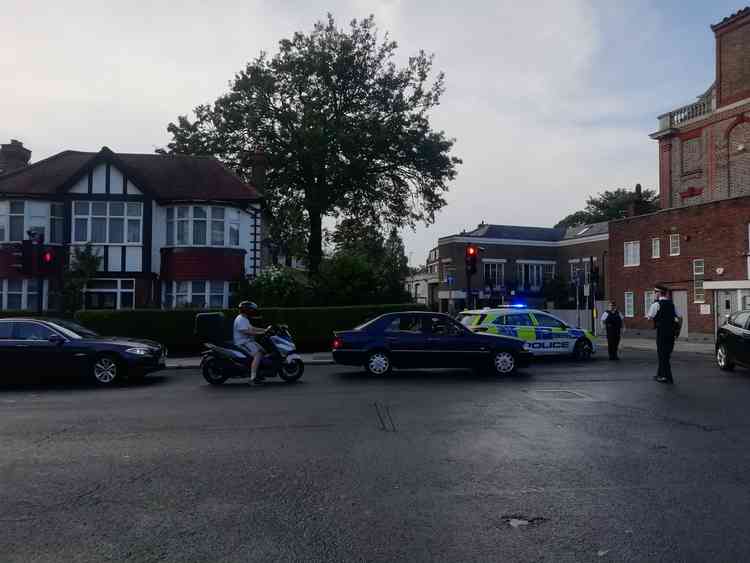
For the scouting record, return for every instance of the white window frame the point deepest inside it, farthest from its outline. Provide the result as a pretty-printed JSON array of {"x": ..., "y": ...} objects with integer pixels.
[
  {"x": 674, "y": 244},
  {"x": 632, "y": 253},
  {"x": 649, "y": 297},
  {"x": 28, "y": 300},
  {"x": 169, "y": 294},
  {"x": 655, "y": 248},
  {"x": 699, "y": 273},
  {"x": 89, "y": 217},
  {"x": 536, "y": 269},
  {"x": 119, "y": 290},
  {"x": 498, "y": 266},
  {"x": 231, "y": 222},
  {"x": 629, "y": 304}
]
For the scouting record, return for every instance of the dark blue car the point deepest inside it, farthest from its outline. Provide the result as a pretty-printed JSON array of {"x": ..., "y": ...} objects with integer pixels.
[{"x": 425, "y": 340}]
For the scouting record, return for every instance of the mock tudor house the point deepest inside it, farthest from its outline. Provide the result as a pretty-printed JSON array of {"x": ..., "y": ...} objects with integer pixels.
[
  {"x": 170, "y": 230},
  {"x": 516, "y": 261},
  {"x": 698, "y": 244}
]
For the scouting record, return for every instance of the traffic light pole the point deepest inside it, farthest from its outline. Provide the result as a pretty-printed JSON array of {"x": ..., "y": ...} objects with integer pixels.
[{"x": 468, "y": 290}]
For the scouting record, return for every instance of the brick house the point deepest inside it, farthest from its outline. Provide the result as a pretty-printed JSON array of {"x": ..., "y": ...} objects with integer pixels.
[
  {"x": 516, "y": 262},
  {"x": 170, "y": 230},
  {"x": 698, "y": 242}
]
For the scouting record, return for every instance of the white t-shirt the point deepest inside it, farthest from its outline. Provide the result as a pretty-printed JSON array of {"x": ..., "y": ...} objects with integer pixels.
[{"x": 242, "y": 323}]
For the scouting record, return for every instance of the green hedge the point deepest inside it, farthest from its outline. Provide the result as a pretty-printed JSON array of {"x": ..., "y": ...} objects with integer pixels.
[{"x": 311, "y": 327}]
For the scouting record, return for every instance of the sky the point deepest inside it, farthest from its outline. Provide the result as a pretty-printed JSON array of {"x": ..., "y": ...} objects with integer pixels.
[{"x": 549, "y": 101}]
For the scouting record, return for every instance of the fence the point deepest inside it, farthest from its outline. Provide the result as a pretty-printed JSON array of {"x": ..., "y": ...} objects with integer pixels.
[{"x": 570, "y": 316}]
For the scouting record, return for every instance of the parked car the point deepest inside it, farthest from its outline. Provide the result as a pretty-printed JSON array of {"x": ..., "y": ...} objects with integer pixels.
[
  {"x": 425, "y": 340},
  {"x": 55, "y": 346},
  {"x": 733, "y": 341},
  {"x": 545, "y": 334}
]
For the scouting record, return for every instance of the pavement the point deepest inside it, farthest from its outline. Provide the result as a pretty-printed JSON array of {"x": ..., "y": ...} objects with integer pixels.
[
  {"x": 564, "y": 461},
  {"x": 696, "y": 346}
]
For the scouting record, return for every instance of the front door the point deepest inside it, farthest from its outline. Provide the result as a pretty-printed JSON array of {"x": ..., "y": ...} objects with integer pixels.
[
  {"x": 452, "y": 345},
  {"x": 680, "y": 300},
  {"x": 407, "y": 341},
  {"x": 33, "y": 351}
]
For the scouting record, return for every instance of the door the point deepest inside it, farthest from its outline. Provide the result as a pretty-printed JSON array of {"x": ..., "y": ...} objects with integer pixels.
[
  {"x": 32, "y": 349},
  {"x": 406, "y": 339},
  {"x": 680, "y": 300},
  {"x": 452, "y": 345},
  {"x": 738, "y": 343},
  {"x": 552, "y": 335},
  {"x": 7, "y": 349}
]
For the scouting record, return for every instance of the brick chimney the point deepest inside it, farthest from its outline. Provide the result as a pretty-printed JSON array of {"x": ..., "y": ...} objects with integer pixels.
[
  {"x": 13, "y": 156},
  {"x": 732, "y": 44},
  {"x": 259, "y": 162}
]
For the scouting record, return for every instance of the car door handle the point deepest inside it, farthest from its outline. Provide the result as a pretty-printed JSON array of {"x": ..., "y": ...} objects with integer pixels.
[{"x": 23, "y": 346}]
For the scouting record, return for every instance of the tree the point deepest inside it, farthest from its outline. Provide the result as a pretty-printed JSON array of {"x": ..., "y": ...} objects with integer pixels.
[
  {"x": 356, "y": 237},
  {"x": 84, "y": 264},
  {"x": 613, "y": 204},
  {"x": 347, "y": 132}
]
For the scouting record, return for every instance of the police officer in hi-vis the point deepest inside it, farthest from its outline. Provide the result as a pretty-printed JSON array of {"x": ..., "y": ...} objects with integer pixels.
[{"x": 666, "y": 321}]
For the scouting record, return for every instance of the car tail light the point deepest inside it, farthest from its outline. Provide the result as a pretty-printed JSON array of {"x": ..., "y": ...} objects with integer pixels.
[{"x": 337, "y": 343}]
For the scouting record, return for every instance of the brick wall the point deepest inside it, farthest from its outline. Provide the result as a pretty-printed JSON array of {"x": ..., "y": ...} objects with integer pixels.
[
  {"x": 733, "y": 72},
  {"x": 716, "y": 232}
]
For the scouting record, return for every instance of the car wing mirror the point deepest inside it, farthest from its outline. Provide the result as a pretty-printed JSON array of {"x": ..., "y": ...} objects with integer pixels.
[{"x": 56, "y": 339}]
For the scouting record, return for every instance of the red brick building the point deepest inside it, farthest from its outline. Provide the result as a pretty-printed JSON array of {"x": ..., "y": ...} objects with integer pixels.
[{"x": 699, "y": 239}]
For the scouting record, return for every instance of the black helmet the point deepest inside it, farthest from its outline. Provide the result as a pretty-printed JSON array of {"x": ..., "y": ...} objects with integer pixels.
[{"x": 247, "y": 306}]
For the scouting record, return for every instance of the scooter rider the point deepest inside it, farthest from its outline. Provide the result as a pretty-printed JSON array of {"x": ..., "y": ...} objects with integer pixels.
[{"x": 244, "y": 334}]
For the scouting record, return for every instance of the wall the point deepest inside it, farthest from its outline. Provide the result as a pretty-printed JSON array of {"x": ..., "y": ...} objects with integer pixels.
[{"x": 715, "y": 232}]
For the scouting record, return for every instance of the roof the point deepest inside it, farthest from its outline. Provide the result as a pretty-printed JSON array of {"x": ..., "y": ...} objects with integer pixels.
[
  {"x": 165, "y": 177},
  {"x": 544, "y": 234},
  {"x": 731, "y": 19}
]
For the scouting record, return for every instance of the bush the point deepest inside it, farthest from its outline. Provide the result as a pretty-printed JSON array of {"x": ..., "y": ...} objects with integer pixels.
[{"x": 311, "y": 327}]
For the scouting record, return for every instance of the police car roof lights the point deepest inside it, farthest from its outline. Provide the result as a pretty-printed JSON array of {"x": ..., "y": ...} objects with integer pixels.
[{"x": 518, "y": 305}]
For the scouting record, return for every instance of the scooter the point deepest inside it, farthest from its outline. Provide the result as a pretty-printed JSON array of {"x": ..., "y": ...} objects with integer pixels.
[{"x": 223, "y": 360}]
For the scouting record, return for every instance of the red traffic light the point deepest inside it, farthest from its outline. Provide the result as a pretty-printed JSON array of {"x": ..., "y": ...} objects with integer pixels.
[
  {"x": 48, "y": 257},
  {"x": 471, "y": 251}
]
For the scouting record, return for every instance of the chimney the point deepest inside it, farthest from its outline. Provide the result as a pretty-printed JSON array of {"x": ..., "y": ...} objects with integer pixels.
[
  {"x": 259, "y": 162},
  {"x": 13, "y": 156}
]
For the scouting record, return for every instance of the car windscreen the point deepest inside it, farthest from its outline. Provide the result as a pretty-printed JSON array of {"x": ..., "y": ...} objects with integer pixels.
[
  {"x": 470, "y": 319},
  {"x": 73, "y": 330}
]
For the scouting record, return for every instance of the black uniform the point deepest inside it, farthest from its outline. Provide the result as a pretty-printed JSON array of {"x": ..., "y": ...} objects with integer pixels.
[
  {"x": 613, "y": 324},
  {"x": 665, "y": 336}
]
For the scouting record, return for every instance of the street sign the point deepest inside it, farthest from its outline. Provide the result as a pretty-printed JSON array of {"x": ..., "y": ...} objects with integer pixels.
[
  {"x": 587, "y": 290},
  {"x": 451, "y": 280}
]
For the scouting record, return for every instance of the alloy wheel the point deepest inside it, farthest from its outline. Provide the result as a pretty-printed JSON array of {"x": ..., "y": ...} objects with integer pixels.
[
  {"x": 105, "y": 370},
  {"x": 504, "y": 362},
  {"x": 379, "y": 364}
]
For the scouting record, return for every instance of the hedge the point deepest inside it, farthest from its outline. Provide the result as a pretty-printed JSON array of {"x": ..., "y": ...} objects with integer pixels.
[{"x": 311, "y": 327}]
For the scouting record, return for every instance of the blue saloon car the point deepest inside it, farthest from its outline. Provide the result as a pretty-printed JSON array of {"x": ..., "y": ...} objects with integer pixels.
[{"x": 417, "y": 339}]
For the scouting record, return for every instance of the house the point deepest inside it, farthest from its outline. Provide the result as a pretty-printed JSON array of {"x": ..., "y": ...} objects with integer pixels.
[
  {"x": 517, "y": 262},
  {"x": 699, "y": 242},
  {"x": 170, "y": 230}
]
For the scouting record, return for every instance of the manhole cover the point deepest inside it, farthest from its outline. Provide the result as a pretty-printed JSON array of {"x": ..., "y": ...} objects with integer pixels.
[{"x": 559, "y": 394}]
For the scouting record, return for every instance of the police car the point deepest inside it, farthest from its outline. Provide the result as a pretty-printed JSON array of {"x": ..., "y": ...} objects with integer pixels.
[{"x": 545, "y": 334}]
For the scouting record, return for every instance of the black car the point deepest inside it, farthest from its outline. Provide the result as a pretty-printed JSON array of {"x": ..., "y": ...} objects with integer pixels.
[
  {"x": 425, "y": 340},
  {"x": 54, "y": 346},
  {"x": 733, "y": 341}
]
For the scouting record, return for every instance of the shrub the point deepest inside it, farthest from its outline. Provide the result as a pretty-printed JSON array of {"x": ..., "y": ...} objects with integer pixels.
[{"x": 311, "y": 327}]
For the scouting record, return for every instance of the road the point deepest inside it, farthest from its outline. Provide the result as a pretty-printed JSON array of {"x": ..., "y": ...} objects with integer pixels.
[{"x": 565, "y": 462}]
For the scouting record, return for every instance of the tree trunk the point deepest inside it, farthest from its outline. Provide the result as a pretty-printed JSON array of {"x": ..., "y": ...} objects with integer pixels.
[{"x": 315, "y": 241}]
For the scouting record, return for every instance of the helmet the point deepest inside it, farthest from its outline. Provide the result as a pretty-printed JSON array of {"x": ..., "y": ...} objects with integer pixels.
[{"x": 248, "y": 306}]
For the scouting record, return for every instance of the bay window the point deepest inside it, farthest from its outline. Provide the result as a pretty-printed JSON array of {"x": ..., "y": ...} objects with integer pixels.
[
  {"x": 198, "y": 225},
  {"x": 198, "y": 294}
]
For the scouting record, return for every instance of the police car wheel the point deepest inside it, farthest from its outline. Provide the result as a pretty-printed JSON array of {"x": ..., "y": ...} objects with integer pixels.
[
  {"x": 503, "y": 363},
  {"x": 583, "y": 350}
]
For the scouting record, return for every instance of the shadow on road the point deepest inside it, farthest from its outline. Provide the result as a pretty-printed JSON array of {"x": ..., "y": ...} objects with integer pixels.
[
  {"x": 236, "y": 385},
  {"x": 436, "y": 375},
  {"x": 74, "y": 382}
]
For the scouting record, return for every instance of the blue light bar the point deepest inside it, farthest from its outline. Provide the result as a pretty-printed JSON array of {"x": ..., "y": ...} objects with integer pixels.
[{"x": 518, "y": 305}]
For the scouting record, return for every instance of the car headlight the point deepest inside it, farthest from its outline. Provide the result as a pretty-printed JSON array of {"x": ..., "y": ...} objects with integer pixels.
[
  {"x": 138, "y": 351},
  {"x": 526, "y": 346}
]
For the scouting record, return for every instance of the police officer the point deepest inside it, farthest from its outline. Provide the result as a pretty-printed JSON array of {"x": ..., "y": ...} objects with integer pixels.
[
  {"x": 666, "y": 319},
  {"x": 612, "y": 321}
]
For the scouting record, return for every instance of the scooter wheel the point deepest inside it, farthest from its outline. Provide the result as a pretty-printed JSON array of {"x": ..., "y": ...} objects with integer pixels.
[
  {"x": 212, "y": 373},
  {"x": 292, "y": 371}
]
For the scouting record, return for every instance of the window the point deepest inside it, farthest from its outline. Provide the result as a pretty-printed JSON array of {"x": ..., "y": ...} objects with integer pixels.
[
  {"x": 449, "y": 275},
  {"x": 699, "y": 270},
  {"x": 577, "y": 266},
  {"x": 19, "y": 294},
  {"x": 198, "y": 294},
  {"x": 629, "y": 304},
  {"x": 633, "y": 253},
  {"x": 740, "y": 319},
  {"x": 109, "y": 294},
  {"x": 531, "y": 276},
  {"x": 102, "y": 222},
  {"x": 548, "y": 321},
  {"x": 203, "y": 226},
  {"x": 649, "y": 298},
  {"x": 515, "y": 319},
  {"x": 655, "y": 248},
  {"x": 674, "y": 245},
  {"x": 405, "y": 323},
  {"x": 494, "y": 273},
  {"x": 6, "y": 330},
  {"x": 31, "y": 331},
  {"x": 444, "y": 327},
  {"x": 16, "y": 221},
  {"x": 56, "y": 223}
]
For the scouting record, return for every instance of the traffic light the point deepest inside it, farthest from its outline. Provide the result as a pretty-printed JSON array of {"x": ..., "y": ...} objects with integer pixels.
[
  {"x": 471, "y": 260},
  {"x": 47, "y": 261}
]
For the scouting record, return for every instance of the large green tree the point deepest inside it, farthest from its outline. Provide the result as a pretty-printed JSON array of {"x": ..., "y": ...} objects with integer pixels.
[
  {"x": 346, "y": 130},
  {"x": 613, "y": 204}
]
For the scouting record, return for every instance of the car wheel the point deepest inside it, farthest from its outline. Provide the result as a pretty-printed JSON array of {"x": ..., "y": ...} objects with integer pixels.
[
  {"x": 106, "y": 370},
  {"x": 504, "y": 363},
  {"x": 212, "y": 373},
  {"x": 723, "y": 359},
  {"x": 378, "y": 363},
  {"x": 292, "y": 372},
  {"x": 583, "y": 349}
]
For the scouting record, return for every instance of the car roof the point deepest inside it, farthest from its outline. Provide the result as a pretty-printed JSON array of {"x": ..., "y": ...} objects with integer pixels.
[
  {"x": 502, "y": 310},
  {"x": 34, "y": 319}
]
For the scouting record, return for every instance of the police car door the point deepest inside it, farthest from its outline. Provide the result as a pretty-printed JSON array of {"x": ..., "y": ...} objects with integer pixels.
[
  {"x": 552, "y": 335},
  {"x": 521, "y": 326}
]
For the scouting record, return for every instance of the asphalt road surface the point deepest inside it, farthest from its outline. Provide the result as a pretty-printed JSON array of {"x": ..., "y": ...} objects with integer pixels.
[{"x": 565, "y": 462}]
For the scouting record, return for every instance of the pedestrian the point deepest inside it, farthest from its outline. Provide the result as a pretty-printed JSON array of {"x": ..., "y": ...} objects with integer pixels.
[
  {"x": 667, "y": 322},
  {"x": 612, "y": 321}
]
